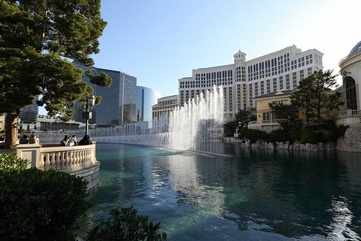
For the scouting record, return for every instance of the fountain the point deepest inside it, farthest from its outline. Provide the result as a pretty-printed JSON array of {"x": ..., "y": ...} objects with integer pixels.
[
  {"x": 199, "y": 120},
  {"x": 193, "y": 126}
]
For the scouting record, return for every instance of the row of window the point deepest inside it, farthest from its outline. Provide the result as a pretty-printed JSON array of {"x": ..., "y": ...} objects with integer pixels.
[
  {"x": 285, "y": 82},
  {"x": 255, "y": 72},
  {"x": 278, "y": 65},
  {"x": 225, "y": 74}
]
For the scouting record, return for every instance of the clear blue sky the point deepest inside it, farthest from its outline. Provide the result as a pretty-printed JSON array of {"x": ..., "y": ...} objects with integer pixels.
[{"x": 160, "y": 41}]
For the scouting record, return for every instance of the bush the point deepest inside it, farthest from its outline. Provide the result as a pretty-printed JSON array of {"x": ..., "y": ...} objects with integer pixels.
[
  {"x": 10, "y": 162},
  {"x": 40, "y": 205},
  {"x": 126, "y": 225},
  {"x": 279, "y": 135},
  {"x": 252, "y": 135}
]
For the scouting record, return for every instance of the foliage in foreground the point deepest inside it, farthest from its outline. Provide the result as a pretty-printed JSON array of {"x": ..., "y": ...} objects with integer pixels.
[
  {"x": 322, "y": 133},
  {"x": 10, "y": 162},
  {"x": 40, "y": 205},
  {"x": 126, "y": 225}
]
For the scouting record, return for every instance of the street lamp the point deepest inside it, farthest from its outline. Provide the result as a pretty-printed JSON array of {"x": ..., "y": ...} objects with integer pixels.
[{"x": 88, "y": 108}]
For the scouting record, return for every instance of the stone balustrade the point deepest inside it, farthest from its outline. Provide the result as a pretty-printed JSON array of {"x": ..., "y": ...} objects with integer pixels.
[{"x": 76, "y": 160}]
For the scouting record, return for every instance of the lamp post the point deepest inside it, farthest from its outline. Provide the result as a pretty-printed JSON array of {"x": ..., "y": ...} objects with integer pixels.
[{"x": 89, "y": 105}]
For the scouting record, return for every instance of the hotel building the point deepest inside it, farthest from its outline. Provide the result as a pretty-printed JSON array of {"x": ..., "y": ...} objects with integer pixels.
[
  {"x": 244, "y": 80},
  {"x": 161, "y": 111}
]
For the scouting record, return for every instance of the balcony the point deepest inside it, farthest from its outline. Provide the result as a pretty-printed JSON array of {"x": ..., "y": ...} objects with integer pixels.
[{"x": 75, "y": 160}]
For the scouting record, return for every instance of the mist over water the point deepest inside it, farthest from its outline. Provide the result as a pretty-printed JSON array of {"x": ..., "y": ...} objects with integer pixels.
[{"x": 199, "y": 119}]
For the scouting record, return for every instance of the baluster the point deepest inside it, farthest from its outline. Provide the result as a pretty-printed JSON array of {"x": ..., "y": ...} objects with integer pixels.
[
  {"x": 43, "y": 158},
  {"x": 65, "y": 161},
  {"x": 71, "y": 159},
  {"x": 47, "y": 160},
  {"x": 76, "y": 159},
  {"x": 79, "y": 158},
  {"x": 59, "y": 160},
  {"x": 52, "y": 159}
]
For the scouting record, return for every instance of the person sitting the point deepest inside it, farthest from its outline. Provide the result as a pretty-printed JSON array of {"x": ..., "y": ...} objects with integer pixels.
[
  {"x": 24, "y": 140},
  {"x": 72, "y": 141},
  {"x": 65, "y": 141},
  {"x": 85, "y": 141},
  {"x": 32, "y": 139}
]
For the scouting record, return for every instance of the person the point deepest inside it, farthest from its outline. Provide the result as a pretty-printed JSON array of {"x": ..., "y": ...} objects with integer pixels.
[
  {"x": 32, "y": 139},
  {"x": 72, "y": 141},
  {"x": 65, "y": 141},
  {"x": 37, "y": 139},
  {"x": 24, "y": 140},
  {"x": 85, "y": 141}
]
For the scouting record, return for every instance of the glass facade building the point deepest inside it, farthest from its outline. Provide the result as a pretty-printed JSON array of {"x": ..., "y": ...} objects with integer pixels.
[{"x": 145, "y": 100}]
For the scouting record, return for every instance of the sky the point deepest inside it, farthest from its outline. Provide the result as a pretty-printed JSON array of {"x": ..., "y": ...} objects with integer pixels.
[{"x": 161, "y": 41}]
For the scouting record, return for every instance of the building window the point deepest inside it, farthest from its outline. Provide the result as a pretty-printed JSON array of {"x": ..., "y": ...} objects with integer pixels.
[
  {"x": 351, "y": 100},
  {"x": 266, "y": 116},
  {"x": 288, "y": 86},
  {"x": 281, "y": 82},
  {"x": 302, "y": 75},
  {"x": 230, "y": 99},
  {"x": 274, "y": 83},
  {"x": 309, "y": 71},
  {"x": 294, "y": 79}
]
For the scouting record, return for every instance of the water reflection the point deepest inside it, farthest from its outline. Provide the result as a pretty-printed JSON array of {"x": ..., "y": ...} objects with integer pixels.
[{"x": 250, "y": 196}]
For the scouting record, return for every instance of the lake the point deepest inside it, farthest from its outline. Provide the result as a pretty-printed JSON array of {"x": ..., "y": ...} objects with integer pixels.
[{"x": 242, "y": 195}]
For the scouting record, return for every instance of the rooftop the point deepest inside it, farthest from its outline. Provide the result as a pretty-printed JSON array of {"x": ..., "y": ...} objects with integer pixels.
[{"x": 355, "y": 50}]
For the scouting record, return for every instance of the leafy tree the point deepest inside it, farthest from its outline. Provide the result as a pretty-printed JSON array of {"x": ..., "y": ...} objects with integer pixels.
[
  {"x": 38, "y": 41},
  {"x": 40, "y": 205},
  {"x": 242, "y": 118},
  {"x": 10, "y": 162},
  {"x": 316, "y": 97},
  {"x": 126, "y": 225}
]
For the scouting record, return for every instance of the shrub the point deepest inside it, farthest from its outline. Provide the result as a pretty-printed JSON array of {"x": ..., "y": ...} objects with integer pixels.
[
  {"x": 40, "y": 205},
  {"x": 252, "y": 135},
  {"x": 278, "y": 135},
  {"x": 126, "y": 225},
  {"x": 10, "y": 162},
  {"x": 230, "y": 128}
]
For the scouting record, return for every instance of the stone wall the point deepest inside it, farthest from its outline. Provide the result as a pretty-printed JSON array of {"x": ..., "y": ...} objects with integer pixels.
[
  {"x": 284, "y": 145},
  {"x": 351, "y": 142}
]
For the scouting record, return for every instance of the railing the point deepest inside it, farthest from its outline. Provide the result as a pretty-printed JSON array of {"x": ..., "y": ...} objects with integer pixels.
[
  {"x": 63, "y": 158},
  {"x": 67, "y": 158},
  {"x": 350, "y": 113}
]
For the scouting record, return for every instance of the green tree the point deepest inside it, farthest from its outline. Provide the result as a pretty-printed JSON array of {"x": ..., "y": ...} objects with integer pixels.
[
  {"x": 316, "y": 97},
  {"x": 242, "y": 118},
  {"x": 39, "y": 39},
  {"x": 126, "y": 225}
]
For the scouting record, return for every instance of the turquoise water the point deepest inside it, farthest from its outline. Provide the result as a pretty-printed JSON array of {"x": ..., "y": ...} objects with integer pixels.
[{"x": 245, "y": 196}]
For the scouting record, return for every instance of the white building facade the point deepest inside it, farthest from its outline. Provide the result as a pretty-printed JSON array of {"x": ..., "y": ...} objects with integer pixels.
[
  {"x": 244, "y": 80},
  {"x": 350, "y": 69},
  {"x": 162, "y": 110}
]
